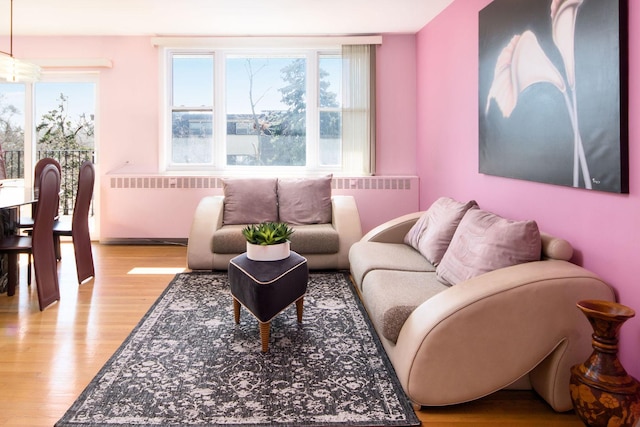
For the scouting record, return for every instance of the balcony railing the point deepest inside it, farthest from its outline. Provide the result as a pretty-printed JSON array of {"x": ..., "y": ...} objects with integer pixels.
[{"x": 70, "y": 161}]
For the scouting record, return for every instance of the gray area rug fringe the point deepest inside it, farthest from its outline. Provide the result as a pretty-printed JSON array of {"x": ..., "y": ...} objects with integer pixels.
[{"x": 188, "y": 363}]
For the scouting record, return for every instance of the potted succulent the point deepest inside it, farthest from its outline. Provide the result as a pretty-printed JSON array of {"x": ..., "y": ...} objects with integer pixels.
[{"x": 267, "y": 241}]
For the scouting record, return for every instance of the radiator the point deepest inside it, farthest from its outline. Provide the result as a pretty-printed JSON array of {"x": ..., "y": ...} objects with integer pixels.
[{"x": 338, "y": 183}]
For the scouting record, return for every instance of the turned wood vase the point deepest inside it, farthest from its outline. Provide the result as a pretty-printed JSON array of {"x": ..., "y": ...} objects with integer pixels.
[{"x": 602, "y": 392}]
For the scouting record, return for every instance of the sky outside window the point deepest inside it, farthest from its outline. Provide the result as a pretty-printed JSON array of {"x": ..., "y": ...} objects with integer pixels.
[
  {"x": 13, "y": 94},
  {"x": 192, "y": 80},
  {"x": 267, "y": 80},
  {"x": 81, "y": 98}
]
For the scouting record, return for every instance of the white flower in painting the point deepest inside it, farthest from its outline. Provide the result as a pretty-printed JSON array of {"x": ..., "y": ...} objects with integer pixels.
[
  {"x": 563, "y": 22},
  {"x": 521, "y": 64}
]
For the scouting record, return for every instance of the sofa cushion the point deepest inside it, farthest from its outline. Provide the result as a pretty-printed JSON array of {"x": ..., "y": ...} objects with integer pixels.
[
  {"x": 305, "y": 200},
  {"x": 365, "y": 257},
  {"x": 250, "y": 200},
  {"x": 315, "y": 239},
  {"x": 485, "y": 242},
  {"x": 391, "y": 296},
  {"x": 228, "y": 239},
  {"x": 306, "y": 239},
  {"x": 433, "y": 232}
]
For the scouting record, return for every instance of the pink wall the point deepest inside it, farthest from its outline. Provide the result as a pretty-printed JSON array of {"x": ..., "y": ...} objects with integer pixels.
[
  {"x": 128, "y": 93},
  {"x": 129, "y": 134},
  {"x": 396, "y": 106},
  {"x": 604, "y": 228}
]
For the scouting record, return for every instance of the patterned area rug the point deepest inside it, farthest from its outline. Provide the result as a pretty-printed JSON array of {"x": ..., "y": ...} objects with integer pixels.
[{"x": 188, "y": 363}]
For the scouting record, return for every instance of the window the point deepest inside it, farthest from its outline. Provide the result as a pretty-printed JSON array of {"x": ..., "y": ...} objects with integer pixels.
[
  {"x": 62, "y": 117},
  {"x": 12, "y": 129},
  {"x": 247, "y": 110},
  {"x": 65, "y": 130},
  {"x": 330, "y": 110},
  {"x": 266, "y": 104},
  {"x": 50, "y": 118},
  {"x": 192, "y": 108}
]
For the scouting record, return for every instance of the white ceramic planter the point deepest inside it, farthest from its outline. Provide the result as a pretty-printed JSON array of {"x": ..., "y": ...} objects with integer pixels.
[{"x": 268, "y": 252}]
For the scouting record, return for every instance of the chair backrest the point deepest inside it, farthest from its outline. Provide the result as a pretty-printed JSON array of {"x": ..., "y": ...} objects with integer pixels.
[
  {"x": 43, "y": 248},
  {"x": 40, "y": 165},
  {"x": 86, "y": 180},
  {"x": 37, "y": 171},
  {"x": 47, "y": 202}
]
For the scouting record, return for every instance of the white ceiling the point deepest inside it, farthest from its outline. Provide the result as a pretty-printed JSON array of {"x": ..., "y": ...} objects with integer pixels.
[{"x": 219, "y": 17}]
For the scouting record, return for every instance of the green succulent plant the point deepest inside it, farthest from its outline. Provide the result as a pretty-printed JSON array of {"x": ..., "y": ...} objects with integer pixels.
[{"x": 267, "y": 233}]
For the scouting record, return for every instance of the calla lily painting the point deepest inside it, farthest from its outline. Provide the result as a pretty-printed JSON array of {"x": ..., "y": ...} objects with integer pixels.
[{"x": 553, "y": 92}]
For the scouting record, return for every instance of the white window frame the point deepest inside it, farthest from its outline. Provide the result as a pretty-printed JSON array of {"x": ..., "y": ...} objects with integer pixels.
[
  {"x": 218, "y": 165},
  {"x": 169, "y": 108},
  {"x": 29, "y": 113},
  {"x": 30, "y": 141}
]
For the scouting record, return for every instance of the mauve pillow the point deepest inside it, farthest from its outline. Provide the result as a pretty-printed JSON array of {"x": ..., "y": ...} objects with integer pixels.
[
  {"x": 485, "y": 242},
  {"x": 444, "y": 217},
  {"x": 432, "y": 233},
  {"x": 250, "y": 200},
  {"x": 413, "y": 235},
  {"x": 305, "y": 200}
]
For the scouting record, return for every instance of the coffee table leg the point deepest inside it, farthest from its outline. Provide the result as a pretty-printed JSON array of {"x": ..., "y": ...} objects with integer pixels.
[
  {"x": 299, "y": 303},
  {"x": 264, "y": 335},
  {"x": 236, "y": 310}
]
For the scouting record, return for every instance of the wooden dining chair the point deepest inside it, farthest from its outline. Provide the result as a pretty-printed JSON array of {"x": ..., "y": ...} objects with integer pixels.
[
  {"x": 27, "y": 221},
  {"x": 78, "y": 228},
  {"x": 40, "y": 243}
]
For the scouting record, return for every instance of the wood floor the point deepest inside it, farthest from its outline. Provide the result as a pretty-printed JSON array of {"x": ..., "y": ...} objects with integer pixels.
[{"x": 47, "y": 358}]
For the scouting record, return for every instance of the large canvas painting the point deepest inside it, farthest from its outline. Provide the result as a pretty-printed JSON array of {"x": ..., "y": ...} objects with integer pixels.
[{"x": 553, "y": 92}]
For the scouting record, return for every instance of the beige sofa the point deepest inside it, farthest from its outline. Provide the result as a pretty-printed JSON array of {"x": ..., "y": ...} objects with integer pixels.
[
  {"x": 213, "y": 243},
  {"x": 513, "y": 327}
]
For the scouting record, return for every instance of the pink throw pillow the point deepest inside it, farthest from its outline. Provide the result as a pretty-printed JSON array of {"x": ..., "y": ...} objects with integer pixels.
[
  {"x": 485, "y": 242},
  {"x": 250, "y": 200},
  {"x": 433, "y": 232},
  {"x": 413, "y": 236},
  {"x": 305, "y": 200}
]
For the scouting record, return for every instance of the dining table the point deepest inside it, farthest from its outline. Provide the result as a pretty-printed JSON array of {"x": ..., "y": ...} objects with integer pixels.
[{"x": 13, "y": 194}]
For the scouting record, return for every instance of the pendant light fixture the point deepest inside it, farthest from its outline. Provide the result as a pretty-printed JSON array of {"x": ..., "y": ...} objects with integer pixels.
[{"x": 12, "y": 69}]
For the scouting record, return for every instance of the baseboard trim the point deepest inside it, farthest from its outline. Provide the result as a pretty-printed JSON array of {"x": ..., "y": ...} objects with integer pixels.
[{"x": 142, "y": 241}]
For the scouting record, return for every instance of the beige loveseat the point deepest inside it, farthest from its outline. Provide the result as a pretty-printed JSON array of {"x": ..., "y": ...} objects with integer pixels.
[
  {"x": 325, "y": 225},
  {"x": 514, "y": 327}
]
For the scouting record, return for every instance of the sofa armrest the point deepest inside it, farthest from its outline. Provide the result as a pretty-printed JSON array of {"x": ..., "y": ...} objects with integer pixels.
[
  {"x": 206, "y": 220},
  {"x": 394, "y": 230},
  {"x": 345, "y": 218},
  {"x": 489, "y": 331}
]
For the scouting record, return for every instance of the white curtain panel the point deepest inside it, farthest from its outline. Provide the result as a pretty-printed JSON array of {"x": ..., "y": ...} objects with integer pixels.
[{"x": 358, "y": 109}]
